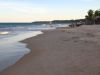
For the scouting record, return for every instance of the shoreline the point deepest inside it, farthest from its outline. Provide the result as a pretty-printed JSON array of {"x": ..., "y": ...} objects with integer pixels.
[
  {"x": 12, "y": 50},
  {"x": 57, "y": 52}
]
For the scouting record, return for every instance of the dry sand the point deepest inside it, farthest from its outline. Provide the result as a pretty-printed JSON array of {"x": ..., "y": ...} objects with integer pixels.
[{"x": 73, "y": 52}]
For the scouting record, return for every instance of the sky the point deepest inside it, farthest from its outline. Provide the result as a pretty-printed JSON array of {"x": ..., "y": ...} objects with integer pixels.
[{"x": 45, "y": 10}]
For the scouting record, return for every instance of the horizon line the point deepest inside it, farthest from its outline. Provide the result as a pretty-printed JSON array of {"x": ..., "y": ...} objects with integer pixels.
[{"x": 41, "y": 21}]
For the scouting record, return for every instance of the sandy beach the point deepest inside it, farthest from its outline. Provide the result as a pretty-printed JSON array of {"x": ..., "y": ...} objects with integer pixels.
[{"x": 75, "y": 51}]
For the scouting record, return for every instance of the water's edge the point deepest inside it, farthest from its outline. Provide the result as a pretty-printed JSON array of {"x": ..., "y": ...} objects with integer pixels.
[{"x": 13, "y": 54}]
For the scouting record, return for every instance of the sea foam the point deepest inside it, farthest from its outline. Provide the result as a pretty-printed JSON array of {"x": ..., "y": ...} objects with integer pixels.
[
  {"x": 4, "y": 33},
  {"x": 11, "y": 50}
]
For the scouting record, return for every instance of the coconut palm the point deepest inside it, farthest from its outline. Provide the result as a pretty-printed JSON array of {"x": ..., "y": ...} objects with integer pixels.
[
  {"x": 90, "y": 14},
  {"x": 90, "y": 17},
  {"x": 97, "y": 13},
  {"x": 97, "y": 16}
]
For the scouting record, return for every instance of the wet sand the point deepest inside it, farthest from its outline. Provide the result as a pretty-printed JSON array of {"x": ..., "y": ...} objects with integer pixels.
[{"x": 74, "y": 51}]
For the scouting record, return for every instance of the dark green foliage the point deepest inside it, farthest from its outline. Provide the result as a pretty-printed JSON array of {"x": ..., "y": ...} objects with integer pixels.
[
  {"x": 97, "y": 13},
  {"x": 93, "y": 17}
]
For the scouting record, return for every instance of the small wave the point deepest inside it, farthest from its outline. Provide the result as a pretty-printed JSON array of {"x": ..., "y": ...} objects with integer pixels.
[{"x": 4, "y": 33}]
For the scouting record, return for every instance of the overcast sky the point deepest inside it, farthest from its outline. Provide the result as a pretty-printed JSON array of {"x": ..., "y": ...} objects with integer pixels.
[{"x": 34, "y": 10}]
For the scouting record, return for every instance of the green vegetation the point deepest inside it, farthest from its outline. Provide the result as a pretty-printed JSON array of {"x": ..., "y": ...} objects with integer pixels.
[{"x": 93, "y": 17}]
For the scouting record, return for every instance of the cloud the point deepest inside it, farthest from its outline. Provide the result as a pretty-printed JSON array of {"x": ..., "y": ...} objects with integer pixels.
[{"x": 24, "y": 8}]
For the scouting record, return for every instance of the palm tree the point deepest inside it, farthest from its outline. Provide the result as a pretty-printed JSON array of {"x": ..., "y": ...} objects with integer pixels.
[
  {"x": 90, "y": 17},
  {"x": 87, "y": 18},
  {"x": 90, "y": 13},
  {"x": 97, "y": 13},
  {"x": 97, "y": 16}
]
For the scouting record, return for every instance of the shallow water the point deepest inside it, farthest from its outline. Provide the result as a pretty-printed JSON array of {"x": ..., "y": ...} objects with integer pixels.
[{"x": 11, "y": 50}]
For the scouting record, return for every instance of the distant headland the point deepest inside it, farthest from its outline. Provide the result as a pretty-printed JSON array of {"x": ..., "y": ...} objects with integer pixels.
[{"x": 58, "y": 21}]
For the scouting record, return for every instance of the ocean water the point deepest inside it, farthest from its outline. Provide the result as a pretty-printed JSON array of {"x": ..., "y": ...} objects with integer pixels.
[{"x": 11, "y": 49}]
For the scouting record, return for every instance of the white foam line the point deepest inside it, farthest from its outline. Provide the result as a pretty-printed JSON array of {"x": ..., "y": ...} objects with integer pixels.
[
  {"x": 4, "y": 33},
  {"x": 20, "y": 37}
]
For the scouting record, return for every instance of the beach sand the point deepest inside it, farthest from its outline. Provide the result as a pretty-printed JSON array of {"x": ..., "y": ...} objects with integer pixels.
[{"x": 75, "y": 51}]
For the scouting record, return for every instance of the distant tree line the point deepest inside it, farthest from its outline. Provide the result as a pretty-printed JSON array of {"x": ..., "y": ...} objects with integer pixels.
[
  {"x": 53, "y": 22},
  {"x": 93, "y": 17},
  {"x": 61, "y": 21}
]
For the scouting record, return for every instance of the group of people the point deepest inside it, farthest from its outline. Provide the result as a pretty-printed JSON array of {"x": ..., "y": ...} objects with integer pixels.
[{"x": 77, "y": 24}]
